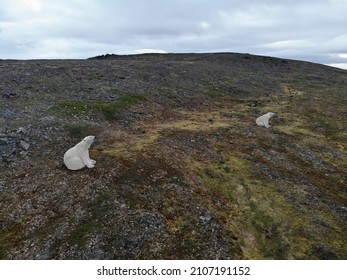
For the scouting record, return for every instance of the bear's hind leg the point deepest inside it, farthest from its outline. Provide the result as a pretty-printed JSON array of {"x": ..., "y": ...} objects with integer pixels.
[{"x": 74, "y": 163}]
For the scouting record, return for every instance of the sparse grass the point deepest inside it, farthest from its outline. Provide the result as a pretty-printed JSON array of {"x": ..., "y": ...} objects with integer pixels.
[
  {"x": 115, "y": 91},
  {"x": 96, "y": 223},
  {"x": 219, "y": 93},
  {"x": 108, "y": 109},
  {"x": 95, "y": 76},
  {"x": 257, "y": 213},
  {"x": 241, "y": 91},
  {"x": 215, "y": 93},
  {"x": 80, "y": 234},
  {"x": 298, "y": 80},
  {"x": 76, "y": 130},
  {"x": 9, "y": 237},
  {"x": 254, "y": 210},
  {"x": 125, "y": 144}
]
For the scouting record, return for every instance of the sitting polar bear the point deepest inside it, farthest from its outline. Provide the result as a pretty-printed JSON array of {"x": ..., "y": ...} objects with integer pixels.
[
  {"x": 78, "y": 156},
  {"x": 264, "y": 120}
]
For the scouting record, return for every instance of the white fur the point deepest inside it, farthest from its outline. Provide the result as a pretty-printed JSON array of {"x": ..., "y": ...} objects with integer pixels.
[
  {"x": 264, "y": 120},
  {"x": 78, "y": 156}
]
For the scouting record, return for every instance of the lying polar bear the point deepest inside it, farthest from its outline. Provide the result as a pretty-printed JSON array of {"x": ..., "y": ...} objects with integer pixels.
[
  {"x": 264, "y": 120},
  {"x": 78, "y": 156}
]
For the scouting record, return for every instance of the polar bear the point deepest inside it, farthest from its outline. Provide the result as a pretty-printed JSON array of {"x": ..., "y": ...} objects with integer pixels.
[
  {"x": 78, "y": 156},
  {"x": 264, "y": 120}
]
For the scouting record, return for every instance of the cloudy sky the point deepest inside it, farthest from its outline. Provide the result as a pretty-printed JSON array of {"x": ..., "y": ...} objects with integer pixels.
[{"x": 311, "y": 30}]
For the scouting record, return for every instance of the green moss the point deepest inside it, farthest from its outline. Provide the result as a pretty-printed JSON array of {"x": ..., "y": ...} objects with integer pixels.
[
  {"x": 79, "y": 235},
  {"x": 108, "y": 109},
  {"x": 95, "y": 76},
  {"x": 256, "y": 212},
  {"x": 215, "y": 93},
  {"x": 298, "y": 79},
  {"x": 115, "y": 91},
  {"x": 9, "y": 238},
  {"x": 74, "y": 107},
  {"x": 131, "y": 98},
  {"x": 77, "y": 130}
]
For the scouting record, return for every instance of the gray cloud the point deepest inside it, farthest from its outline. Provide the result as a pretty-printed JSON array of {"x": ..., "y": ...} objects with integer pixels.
[{"x": 306, "y": 30}]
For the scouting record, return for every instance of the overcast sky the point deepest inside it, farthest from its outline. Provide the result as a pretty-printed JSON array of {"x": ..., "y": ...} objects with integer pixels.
[{"x": 311, "y": 30}]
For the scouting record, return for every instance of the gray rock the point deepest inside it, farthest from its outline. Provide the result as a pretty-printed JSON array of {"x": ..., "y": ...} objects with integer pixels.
[
  {"x": 21, "y": 130},
  {"x": 24, "y": 145},
  {"x": 7, "y": 147},
  {"x": 205, "y": 218}
]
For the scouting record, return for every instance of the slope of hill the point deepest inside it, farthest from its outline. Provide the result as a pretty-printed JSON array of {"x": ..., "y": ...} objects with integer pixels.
[{"x": 182, "y": 170}]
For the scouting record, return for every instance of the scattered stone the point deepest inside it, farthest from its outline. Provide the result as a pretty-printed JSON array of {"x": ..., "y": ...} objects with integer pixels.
[
  {"x": 240, "y": 188},
  {"x": 8, "y": 95},
  {"x": 7, "y": 148},
  {"x": 205, "y": 218},
  {"x": 21, "y": 130},
  {"x": 24, "y": 145}
]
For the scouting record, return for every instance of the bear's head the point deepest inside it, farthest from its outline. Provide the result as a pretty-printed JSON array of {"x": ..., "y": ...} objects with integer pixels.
[
  {"x": 270, "y": 114},
  {"x": 88, "y": 140}
]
